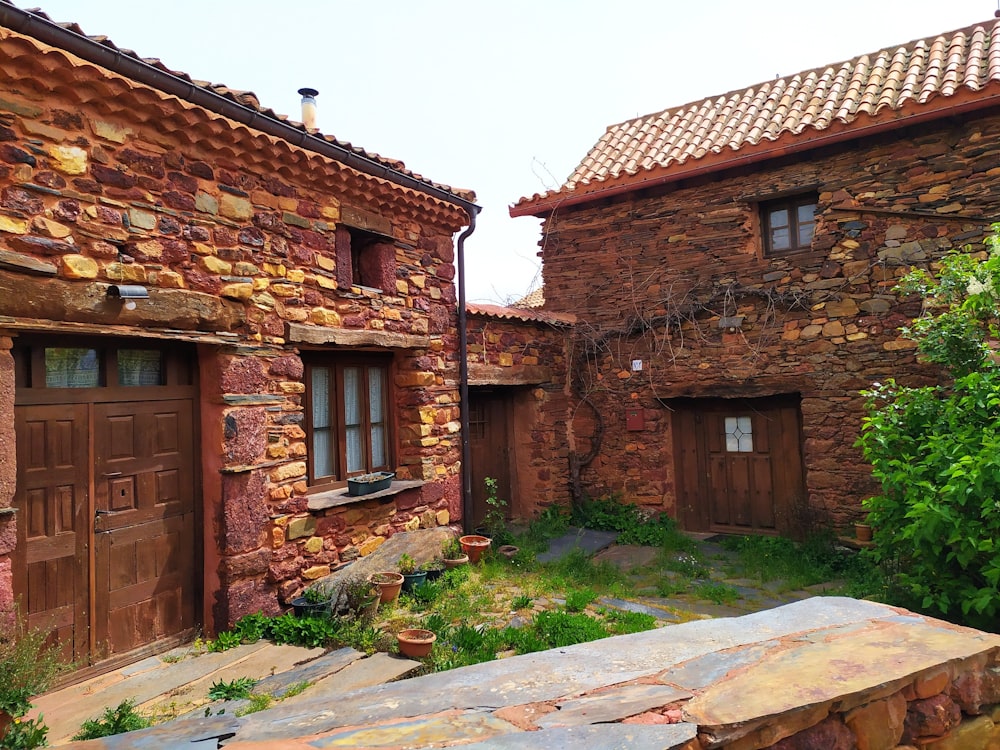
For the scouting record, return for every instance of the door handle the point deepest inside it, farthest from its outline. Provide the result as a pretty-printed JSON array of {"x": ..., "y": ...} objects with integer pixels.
[
  {"x": 109, "y": 474},
  {"x": 101, "y": 512}
]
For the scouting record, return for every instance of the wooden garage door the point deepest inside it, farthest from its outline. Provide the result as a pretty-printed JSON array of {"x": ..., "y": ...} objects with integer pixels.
[
  {"x": 105, "y": 494},
  {"x": 489, "y": 446},
  {"x": 738, "y": 464}
]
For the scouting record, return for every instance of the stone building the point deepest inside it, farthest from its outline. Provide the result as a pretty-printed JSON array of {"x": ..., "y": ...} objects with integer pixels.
[
  {"x": 210, "y": 317},
  {"x": 731, "y": 265}
]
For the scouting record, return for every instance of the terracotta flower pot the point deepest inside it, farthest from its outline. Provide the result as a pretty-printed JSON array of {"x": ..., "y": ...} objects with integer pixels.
[
  {"x": 5, "y": 721},
  {"x": 416, "y": 642},
  {"x": 455, "y": 562},
  {"x": 507, "y": 550},
  {"x": 474, "y": 546},
  {"x": 863, "y": 532},
  {"x": 390, "y": 583}
]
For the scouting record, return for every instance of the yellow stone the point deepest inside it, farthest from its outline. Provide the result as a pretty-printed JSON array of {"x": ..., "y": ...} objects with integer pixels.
[
  {"x": 202, "y": 249},
  {"x": 78, "y": 267},
  {"x": 69, "y": 159},
  {"x": 435, "y": 292},
  {"x": 453, "y": 427},
  {"x": 294, "y": 469},
  {"x": 316, "y": 571},
  {"x": 277, "y": 451},
  {"x": 370, "y": 544},
  {"x": 234, "y": 207},
  {"x": 406, "y": 379},
  {"x": 898, "y": 345},
  {"x": 419, "y": 281},
  {"x": 390, "y": 314},
  {"x": 314, "y": 544},
  {"x": 150, "y": 248},
  {"x": 259, "y": 285},
  {"x": 857, "y": 336},
  {"x": 280, "y": 521},
  {"x": 401, "y": 286},
  {"x": 288, "y": 386},
  {"x": 420, "y": 326},
  {"x": 443, "y": 517},
  {"x": 324, "y": 317},
  {"x": 506, "y": 359},
  {"x": 51, "y": 228},
  {"x": 241, "y": 291},
  {"x": 295, "y": 274},
  {"x": 13, "y": 226},
  {"x": 413, "y": 524},
  {"x": 110, "y": 131},
  {"x": 214, "y": 264},
  {"x": 833, "y": 328},
  {"x": 277, "y": 537},
  {"x": 428, "y": 519},
  {"x": 376, "y": 325},
  {"x": 427, "y": 414},
  {"x": 850, "y": 244},
  {"x": 170, "y": 280},
  {"x": 326, "y": 262},
  {"x": 126, "y": 272},
  {"x": 275, "y": 269},
  {"x": 284, "y": 290},
  {"x": 330, "y": 212},
  {"x": 427, "y": 442},
  {"x": 325, "y": 282}
]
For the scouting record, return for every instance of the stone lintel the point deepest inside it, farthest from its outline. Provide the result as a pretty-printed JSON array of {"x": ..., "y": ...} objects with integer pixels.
[
  {"x": 303, "y": 334},
  {"x": 335, "y": 498},
  {"x": 480, "y": 374},
  {"x": 26, "y": 264}
]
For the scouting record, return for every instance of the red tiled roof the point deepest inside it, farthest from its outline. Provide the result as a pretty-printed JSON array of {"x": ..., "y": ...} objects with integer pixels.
[
  {"x": 527, "y": 316},
  {"x": 889, "y": 88},
  {"x": 246, "y": 99},
  {"x": 531, "y": 300}
]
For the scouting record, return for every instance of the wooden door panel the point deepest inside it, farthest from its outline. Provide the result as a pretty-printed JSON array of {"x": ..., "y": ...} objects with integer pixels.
[
  {"x": 52, "y": 497},
  {"x": 489, "y": 415},
  {"x": 145, "y": 554}
]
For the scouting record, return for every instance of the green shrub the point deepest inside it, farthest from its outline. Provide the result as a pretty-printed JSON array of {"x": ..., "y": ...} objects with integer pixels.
[
  {"x": 232, "y": 690},
  {"x": 26, "y": 734},
  {"x": 577, "y": 601},
  {"x": 556, "y": 629},
  {"x": 121, "y": 718},
  {"x": 936, "y": 449}
]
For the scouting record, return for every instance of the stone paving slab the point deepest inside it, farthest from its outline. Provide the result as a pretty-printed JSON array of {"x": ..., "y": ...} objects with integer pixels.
[
  {"x": 595, "y": 737},
  {"x": 313, "y": 671},
  {"x": 611, "y": 705},
  {"x": 660, "y": 613},
  {"x": 69, "y": 707},
  {"x": 588, "y": 540},
  {"x": 555, "y": 674}
]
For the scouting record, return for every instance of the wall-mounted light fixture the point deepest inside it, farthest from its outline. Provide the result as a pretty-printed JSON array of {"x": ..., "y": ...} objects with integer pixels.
[{"x": 128, "y": 292}]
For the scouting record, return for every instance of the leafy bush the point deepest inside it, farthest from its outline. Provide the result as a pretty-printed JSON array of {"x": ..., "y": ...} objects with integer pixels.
[
  {"x": 232, "y": 690},
  {"x": 635, "y": 525},
  {"x": 25, "y": 733},
  {"x": 29, "y": 662},
  {"x": 936, "y": 449},
  {"x": 121, "y": 718},
  {"x": 556, "y": 629},
  {"x": 577, "y": 601}
]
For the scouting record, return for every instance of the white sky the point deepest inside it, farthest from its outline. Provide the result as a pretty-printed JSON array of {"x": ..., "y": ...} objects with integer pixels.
[{"x": 504, "y": 97}]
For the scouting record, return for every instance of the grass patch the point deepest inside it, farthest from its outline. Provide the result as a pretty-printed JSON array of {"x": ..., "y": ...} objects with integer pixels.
[
  {"x": 122, "y": 718},
  {"x": 718, "y": 593},
  {"x": 232, "y": 690}
]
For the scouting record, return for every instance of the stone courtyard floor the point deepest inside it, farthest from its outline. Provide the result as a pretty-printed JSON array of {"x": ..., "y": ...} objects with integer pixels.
[{"x": 471, "y": 702}]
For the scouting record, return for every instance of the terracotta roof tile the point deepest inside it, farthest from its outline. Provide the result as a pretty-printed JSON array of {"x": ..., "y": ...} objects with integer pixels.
[
  {"x": 901, "y": 79},
  {"x": 528, "y": 316},
  {"x": 248, "y": 99}
]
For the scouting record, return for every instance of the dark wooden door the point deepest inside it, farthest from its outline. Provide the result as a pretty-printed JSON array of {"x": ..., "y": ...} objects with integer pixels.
[
  {"x": 144, "y": 522},
  {"x": 51, "y": 560},
  {"x": 489, "y": 442},
  {"x": 106, "y": 486},
  {"x": 738, "y": 464}
]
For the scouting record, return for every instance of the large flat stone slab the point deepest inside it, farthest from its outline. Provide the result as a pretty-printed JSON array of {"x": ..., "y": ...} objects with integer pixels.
[
  {"x": 595, "y": 737},
  {"x": 611, "y": 705},
  {"x": 556, "y": 674},
  {"x": 313, "y": 671},
  {"x": 587, "y": 540}
]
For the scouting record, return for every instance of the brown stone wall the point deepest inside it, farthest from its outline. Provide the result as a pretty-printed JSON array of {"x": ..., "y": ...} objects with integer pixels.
[
  {"x": 650, "y": 276},
  {"x": 530, "y": 358},
  {"x": 8, "y": 475},
  {"x": 103, "y": 181}
]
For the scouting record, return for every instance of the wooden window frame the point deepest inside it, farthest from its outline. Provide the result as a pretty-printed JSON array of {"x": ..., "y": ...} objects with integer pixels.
[
  {"x": 791, "y": 204},
  {"x": 338, "y": 421}
]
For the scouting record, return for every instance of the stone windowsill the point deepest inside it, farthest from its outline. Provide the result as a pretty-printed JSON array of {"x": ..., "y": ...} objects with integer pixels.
[{"x": 333, "y": 498}]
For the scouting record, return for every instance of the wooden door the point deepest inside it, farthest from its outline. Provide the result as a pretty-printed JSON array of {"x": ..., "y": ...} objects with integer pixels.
[
  {"x": 52, "y": 499},
  {"x": 738, "y": 464},
  {"x": 144, "y": 522},
  {"x": 489, "y": 442}
]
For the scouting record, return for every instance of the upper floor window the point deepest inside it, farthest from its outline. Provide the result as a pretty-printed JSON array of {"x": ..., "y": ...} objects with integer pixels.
[
  {"x": 788, "y": 224},
  {"x": 365, "y": 259},
  {"x": 347, "y": 418}
]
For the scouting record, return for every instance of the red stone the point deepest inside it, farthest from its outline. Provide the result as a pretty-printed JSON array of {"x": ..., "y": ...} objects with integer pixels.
[
  {"x": 931, "y": 717},
  {"x": 829, "y": 734}
]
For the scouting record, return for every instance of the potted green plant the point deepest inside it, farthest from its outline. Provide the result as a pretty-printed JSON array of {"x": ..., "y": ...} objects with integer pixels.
[
  {"x": 494, "y": 524},
  {"x": 413, "y": 575},
  {"x": 313, "y": 602},
  {"x": 29, "y": 663},
  {"x": 416, "y": 642},
  {"x": 474, "y": 546},
  {"x": 452, "y": 555},
  {"x": 358, "y": 598},
  {"x": 435, "y": 568},
  {"x": 389, "y": 583}
]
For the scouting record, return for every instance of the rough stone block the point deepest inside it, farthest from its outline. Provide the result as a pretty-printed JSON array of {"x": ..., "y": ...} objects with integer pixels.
[
  {"x": 68, "y": 159},
  {"x": 316, "y": 571},
  {"x": 234, "y": 207},
  {"x": 313, "y": 545},
  {"x": 878, "y": 725},
  {"x": 370, "y": 544},
  {"x": 78, "y": 267}
]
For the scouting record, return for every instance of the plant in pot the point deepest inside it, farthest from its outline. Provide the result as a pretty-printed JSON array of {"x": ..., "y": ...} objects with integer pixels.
[
  {"x": 474, "y": 546},
  {"x": 452, "y": 555},
  {"x": 389, "y": 583},
  {"x": 358, "y": 598},
  {"x": 29, "y": 663},
  {"x": 435, "y": 567},
  {"x": 313, "y": 602},
  {"x": 413, "y": 575},
  {"x": 416, "y": 642}
]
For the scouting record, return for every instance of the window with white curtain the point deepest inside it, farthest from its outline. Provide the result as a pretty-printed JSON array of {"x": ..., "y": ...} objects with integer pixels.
[{"x": 347, "y": 424}]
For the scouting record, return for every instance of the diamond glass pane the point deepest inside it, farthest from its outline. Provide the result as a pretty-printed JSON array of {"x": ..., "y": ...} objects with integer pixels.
[
  {"x": 72, "y": 368},
  {"x": 739, "y": 435},
  {"x": 139, "y": 367}
]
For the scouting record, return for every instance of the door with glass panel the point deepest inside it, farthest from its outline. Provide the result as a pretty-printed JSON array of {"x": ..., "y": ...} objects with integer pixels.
[
  {"x": 105, "y": 493},
  {"x": 738, "y": 464}
]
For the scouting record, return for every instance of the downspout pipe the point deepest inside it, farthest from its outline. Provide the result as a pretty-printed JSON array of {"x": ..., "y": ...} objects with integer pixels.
[{"x": 463, "y": 379}]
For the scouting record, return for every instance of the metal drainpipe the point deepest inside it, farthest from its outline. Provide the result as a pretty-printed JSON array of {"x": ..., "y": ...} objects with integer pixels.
[{"x": 463, "y": 379}]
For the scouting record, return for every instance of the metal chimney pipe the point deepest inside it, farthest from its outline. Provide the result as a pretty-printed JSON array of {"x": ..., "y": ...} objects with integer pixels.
[{"x": 309, "y": 108}]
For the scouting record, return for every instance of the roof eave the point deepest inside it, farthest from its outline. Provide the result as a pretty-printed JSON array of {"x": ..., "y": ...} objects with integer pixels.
[{"x": 788, "y": 143}]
